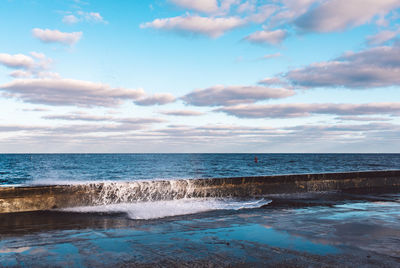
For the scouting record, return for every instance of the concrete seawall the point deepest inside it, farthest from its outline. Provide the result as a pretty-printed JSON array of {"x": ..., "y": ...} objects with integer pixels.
[{"x": 33, "y": 198}]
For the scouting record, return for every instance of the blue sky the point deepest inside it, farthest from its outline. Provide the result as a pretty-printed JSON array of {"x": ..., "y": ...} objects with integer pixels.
[{"x": 200, "y": 76}]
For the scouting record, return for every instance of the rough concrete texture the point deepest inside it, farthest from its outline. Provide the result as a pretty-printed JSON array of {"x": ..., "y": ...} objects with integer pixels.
[{"x": 34, "y": 198}]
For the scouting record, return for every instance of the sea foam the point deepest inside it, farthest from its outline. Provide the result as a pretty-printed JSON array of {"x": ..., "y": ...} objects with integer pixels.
[{"x": 168, "y": 208}]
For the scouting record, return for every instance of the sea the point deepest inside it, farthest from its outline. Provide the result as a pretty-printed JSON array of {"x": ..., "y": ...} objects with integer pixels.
[
  {"x": 33, "y": 169},
  {"x": 110, "y": 169}
]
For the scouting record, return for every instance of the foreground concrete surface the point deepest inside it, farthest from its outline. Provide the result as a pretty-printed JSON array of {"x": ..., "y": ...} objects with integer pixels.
[{"x": 302, "y": 230}]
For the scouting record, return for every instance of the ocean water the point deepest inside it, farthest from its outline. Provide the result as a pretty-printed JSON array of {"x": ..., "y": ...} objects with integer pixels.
[
  {"x": 70, "y": 168},
  {"x": 113, "y": 170},
  {"x": 62, "y": 168}
]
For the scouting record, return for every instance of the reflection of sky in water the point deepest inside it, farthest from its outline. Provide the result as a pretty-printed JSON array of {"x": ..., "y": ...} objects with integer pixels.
[
  {"x": 386, "y": 213},
  {"x": 370, "y": 226},
  {"x": 71, "y": 248},
  {"x": 66, "y": 253},
  {"x": 381, "y": 211},
  {"x": 271, "y": 237}
]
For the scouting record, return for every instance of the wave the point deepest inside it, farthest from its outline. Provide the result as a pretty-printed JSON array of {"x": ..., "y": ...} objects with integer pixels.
[{"x": 169, "y": 208}]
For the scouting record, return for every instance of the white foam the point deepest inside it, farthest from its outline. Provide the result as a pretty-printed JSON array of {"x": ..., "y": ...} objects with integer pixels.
[{"x": 161, "y": 209}]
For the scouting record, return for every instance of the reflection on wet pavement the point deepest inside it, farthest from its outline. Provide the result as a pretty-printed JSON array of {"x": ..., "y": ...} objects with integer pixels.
[{"x": 359, "y": 232}]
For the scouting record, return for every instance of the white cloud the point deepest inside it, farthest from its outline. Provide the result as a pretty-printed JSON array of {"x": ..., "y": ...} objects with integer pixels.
[
  {"x": 116, "y": 137},
  {"x": 290, "y": 10},
  {"x": 182, "y": 113},
  {"x": 209, "y": 26},
  {"x": 263, "y": 13},
  {"x": 42, "y": 62},
  {"x": 27, "y": 66},
  {"x": 70, "y": 19},
  {"x": 273, "y": 81},
  {"x": 337, "y": 15},
  {"x": 92, "y": 17},
  {"x": 375, "y": 67},
  {"x": 361, "y": 118},
  {"x": 382, "y": 37},
  {"x": 35, "y": 110},
  {"x": 78, "y": 117},
  {"x": 229, "y": 95},
  {"x": 102, "y": 118},
  {"x": 206, "y": 6},
  {"x": 156, "y": 99},
  {"x": 46, "y": 74},
  {"x": 20, "y": 74},
  {"x": 80, "y": 16},
  {"x": 246, "y": 6},
  {"x": 271, "y": 56},
  {"x": 69, "y": 92},
  {"x": 267, "y": 37},
  {"x": 55, "y": 36},
  {"x": 16, "y": 61},
  {"x": 306, "y": 109}
]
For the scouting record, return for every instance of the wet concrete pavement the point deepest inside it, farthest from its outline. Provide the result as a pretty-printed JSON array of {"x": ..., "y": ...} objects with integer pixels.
[{"x": 324, "y": 229}]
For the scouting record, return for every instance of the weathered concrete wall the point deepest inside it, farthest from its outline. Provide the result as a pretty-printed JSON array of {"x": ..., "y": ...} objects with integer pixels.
[{"x": 16, "y": 199}]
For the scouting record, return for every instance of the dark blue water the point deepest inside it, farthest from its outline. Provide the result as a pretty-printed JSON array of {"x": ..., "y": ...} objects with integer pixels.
[{"x": 58, "y": 168}]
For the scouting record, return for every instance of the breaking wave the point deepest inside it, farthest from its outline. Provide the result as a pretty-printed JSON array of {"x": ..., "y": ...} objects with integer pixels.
[{"x": 167, "y": 208}]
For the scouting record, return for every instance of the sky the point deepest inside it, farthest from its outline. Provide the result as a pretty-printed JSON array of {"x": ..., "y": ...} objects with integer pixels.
[{"x": 200, "y": 76}]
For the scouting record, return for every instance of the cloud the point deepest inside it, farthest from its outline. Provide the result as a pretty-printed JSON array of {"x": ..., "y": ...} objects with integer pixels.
[
  {"x": 300, "y": 138},
  {"x": 182, "y": 113},
  {"x": 375, "y": 67},
  {"x": 45, "y": 74},
  {"x": 42, "y": 62},
  {"x": 69, "y": 92},
  {"x": 271, "y": 56},
  {"x": 263, "y": 13},
  {"x": 337, "y": 15},
  {"x": 143, "y": 121},
  {"x": 36, "y": 110},
  {"x": 304, "y": 109},
  {"x": 317, "y": 130},
  {"x": 16, "y": 61},
  {"x": 213, "y": 131},
  {"x": 267, "y": 37},
  {"x": 361, "y": 118},
  {"x": 92, "y": 17},
  {"x": 156, "y": 99},
  {"x": 289, "y": 10},
  {"x": 78, "y": 117},
  {"x": 246, "y": 6},
  {"x": 273, "y": 81},
  {"x": 100, "y": 118},
  {"x": 55, "y": 36},
  {"x": 206, "y": 6},
  {"x": 27, "y": 66},
  {"x": 20, "y": 74},
  {"x": 229, "y": 95},
  {"x": 382, "y": 37},
  {"x": 16, "y": 128},
  {"x": 90, "y": 137},
  {"x": 209, "y": 26},
  {"x": 70, "y": 19}
]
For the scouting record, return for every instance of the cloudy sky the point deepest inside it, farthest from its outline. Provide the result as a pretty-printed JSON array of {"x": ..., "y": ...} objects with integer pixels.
[{"x": 200, "y": 76}]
